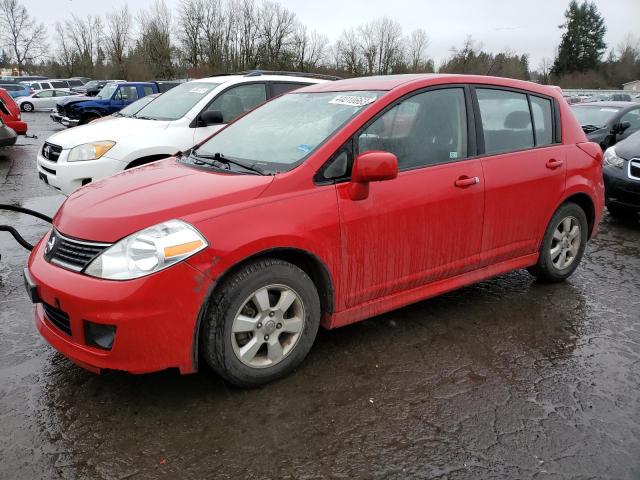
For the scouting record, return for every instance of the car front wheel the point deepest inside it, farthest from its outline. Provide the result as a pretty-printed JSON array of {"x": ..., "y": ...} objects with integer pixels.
[
  {"x": 261, "y": 323},
  {"x": 26, "y": 107},
  {"x": 563, "y": 244}
]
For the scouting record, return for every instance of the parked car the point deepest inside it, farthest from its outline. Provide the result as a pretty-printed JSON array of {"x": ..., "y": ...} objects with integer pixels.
[
  {"x": 622, "y": 178},
  {"x": 21, "y": 78},
  {"x": 93, "y": 87},
  {"x": 176, "y": 120},
  {"x": 80, "y": 110},
  {"x": 606, "y": 123},
  {"x": 16, "y": 89},
  {"x": 10, "y": 113},
  {"x": 8, "y": 136},
  {"x": 325, "y": 206},
  {"x": 43, "y": 100}
]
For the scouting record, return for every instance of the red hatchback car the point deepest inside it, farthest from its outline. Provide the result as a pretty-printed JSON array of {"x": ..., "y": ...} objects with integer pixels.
[
  {"x": 325, "y": 206},
  {"x": 10, "y": 113}
]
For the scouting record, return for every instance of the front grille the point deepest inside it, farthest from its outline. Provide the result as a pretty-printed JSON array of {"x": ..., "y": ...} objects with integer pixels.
[
  {"x": 51, "y": 152},
  {"x": 70, "y": 253},
  {"x": 634, "y": 169},
  {"x": 58, "y": 318}
]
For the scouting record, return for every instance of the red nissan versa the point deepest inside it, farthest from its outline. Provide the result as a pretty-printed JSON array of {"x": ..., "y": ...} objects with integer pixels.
[
  {"x": 10, "y": 113},
  {"x": 325, "y": 206}
]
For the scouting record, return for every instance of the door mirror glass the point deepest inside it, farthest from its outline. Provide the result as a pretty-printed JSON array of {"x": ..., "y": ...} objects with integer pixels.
[
  {"x": 211, "y": 117},
  {"x": 374, "y": 166}
]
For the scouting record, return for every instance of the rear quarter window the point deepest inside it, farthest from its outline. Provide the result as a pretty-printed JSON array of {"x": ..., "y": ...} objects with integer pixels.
[{"x": 543, "y": 119}]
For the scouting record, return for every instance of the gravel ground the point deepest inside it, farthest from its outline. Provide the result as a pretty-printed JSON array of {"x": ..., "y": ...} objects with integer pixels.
[{"x": 505, "y": 379}]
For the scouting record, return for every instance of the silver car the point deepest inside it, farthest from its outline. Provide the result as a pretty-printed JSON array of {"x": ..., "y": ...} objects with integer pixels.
[{"x": 43, "y": 100}]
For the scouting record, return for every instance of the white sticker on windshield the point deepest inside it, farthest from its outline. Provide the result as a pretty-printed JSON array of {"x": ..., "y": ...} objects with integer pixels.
[
  {"x": 199, "y": 90},
  {"x": 612, "y": 110},
  {"x": 352, "y": 100}
]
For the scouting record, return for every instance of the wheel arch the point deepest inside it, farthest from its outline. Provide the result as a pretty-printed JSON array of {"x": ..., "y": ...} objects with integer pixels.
[
  {"x": 585, "y": 202},
  {"x": 303, "y": 259},
  {"x": 147, "y": 159}
]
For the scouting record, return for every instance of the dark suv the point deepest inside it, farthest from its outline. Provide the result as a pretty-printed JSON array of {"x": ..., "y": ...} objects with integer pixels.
[{"x": 622, "y": 178}]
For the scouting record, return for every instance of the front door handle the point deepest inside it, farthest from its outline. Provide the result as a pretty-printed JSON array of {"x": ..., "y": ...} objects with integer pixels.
[
  {"x": 554, "y": 163},
  {"x": 465, "y": 181}
]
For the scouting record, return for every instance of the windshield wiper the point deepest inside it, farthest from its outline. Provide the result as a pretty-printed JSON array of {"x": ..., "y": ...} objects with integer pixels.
[
  {"x": 143, "y": 118},
  {"x": 221, "y": 159},
  {"x": 590, "y": 128}
]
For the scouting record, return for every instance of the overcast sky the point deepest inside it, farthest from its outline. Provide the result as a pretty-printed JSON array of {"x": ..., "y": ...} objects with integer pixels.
[{"x": 524, "y": 26}]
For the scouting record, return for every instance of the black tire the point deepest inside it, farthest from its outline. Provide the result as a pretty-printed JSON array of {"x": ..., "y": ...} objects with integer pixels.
[
  {"x": 216, "y": 335},
  {"x": 545, "y": 270},
  {"x": 26, "y": 107},
  {"x": 89, "y": 119},
  {"x": 620, "y": 212}
]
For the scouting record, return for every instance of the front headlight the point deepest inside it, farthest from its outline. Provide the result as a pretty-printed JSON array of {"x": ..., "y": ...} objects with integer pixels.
[
  {"x": 148, "y": 251},
  {"x": 89, "y": 151},
  {"x": 611, "y": 158}
]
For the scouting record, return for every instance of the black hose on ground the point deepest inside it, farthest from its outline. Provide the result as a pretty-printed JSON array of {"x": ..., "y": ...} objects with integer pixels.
[{"x": 19, "y": 238}]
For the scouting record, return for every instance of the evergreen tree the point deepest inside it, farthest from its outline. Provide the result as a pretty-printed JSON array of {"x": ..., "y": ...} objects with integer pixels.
[{"x": 582, "y": 42}]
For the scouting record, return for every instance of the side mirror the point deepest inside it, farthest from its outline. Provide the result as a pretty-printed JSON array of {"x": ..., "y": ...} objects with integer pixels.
[
  {"x": 211, "y": 117},
  {"x": 372, "y": 166},
  {"x": 620, "y": 128}
]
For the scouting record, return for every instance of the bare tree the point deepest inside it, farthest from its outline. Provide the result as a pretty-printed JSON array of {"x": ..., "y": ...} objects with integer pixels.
[
  {"x": 277, "y": 26},
  {"x": 368, "y": 40},
  {"x": 349, "y": 52},
  {"x": 20, "y": 34},
  {"x": 192, "y": 17},
  {"x": 118, "y": 38},
  {"x": 308, "y": 48},
  {"x": 389, "y": 33},
  {"x": 155, "y": 39},
  {"x": 66, "y": 53},
  {"x": 417, "y": 44},
  {"x": 82, "y": 35},
  {"x": 544, "y": 70}
]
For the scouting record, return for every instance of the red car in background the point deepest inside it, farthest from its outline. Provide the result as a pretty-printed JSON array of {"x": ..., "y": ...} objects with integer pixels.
[
  {"x": 323, "y": 207},
  {"x": 10, "y": 113}
]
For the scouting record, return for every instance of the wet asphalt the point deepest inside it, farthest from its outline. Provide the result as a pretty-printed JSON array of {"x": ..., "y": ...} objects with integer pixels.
[{"x": 505, "y": 379}]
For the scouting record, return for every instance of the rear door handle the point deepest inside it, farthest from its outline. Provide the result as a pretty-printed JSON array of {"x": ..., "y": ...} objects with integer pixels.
[
  {"x": 554, "y": 163},
  {"x": 465, "y": 181}
]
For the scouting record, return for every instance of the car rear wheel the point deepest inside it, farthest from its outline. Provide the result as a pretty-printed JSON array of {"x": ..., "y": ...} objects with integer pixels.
[
  {"x": 563, "y": 244},
  {"x": 26, "y": 107},
  {"x": 261, "y": 323},
  {"x": 620, "y": 212}
]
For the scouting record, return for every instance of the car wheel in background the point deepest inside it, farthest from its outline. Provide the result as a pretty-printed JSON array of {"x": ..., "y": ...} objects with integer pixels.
[
  {"x": 261, "y": 323},
  {"x": 563, "y": 244},
  {"x": 26, "y": 107}
]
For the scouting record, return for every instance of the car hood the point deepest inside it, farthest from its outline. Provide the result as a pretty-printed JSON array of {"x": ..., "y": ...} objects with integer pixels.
[
  {"x": 630, "y": 147},
  {"x": 74, "y": 99},
  {"x": 113, "y": 129},
  {"x": 110, "y": 209}
]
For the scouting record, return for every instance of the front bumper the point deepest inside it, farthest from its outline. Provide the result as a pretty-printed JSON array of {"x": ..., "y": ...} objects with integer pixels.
[
  {"x": 66, "y": 121},
  {"x": 66, "y": 177},
  {"x": 155, "y": 316},
  {"x": 620, "y": 189}
]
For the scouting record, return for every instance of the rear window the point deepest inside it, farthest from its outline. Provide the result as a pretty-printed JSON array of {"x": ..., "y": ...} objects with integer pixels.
[
  {"x": 74, "y": 83},
  {"x": 59, "y": 84},
  {"x": 506, "y": 120}
]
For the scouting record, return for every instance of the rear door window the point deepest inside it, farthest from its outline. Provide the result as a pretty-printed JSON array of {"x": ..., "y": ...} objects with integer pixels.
[
  {"x": 238, "y": 100},
  {"x": 506, "y": 120}
]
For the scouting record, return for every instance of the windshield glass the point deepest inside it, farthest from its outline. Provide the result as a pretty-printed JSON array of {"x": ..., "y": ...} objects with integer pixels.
[
  {"x": 175, "y": 103},
  {"x": 107, "y": 91},
  {"x": 594, "y": 115},
  {"x": 280, "y": 134}
]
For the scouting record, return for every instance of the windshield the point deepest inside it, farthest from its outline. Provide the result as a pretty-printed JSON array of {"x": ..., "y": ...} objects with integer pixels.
[
  {"x": 107, "y": 91},
  {"x": 594, "y": 115},
  {"x": 91, "y": 84},
  {"x": 281, "y": 133},
  {"x": 175, "y": 103}
]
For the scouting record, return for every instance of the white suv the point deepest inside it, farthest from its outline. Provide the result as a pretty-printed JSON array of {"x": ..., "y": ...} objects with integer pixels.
[{"x": 175, "y": 121}]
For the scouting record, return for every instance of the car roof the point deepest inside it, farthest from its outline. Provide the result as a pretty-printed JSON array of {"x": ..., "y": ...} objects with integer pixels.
[
  {"x": 252, "y": 78},
  {"x": 390, "y": 82},
  {"x": 607, "y": 104}
]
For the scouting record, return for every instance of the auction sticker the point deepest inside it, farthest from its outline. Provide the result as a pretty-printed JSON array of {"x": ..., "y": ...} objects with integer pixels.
[{"x": 352, "y": 100}]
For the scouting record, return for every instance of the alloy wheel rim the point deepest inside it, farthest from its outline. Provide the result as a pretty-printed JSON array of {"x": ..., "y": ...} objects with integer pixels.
[
  {"x": 565, "y": 243},
  {"x": 267, "y": 326}
]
